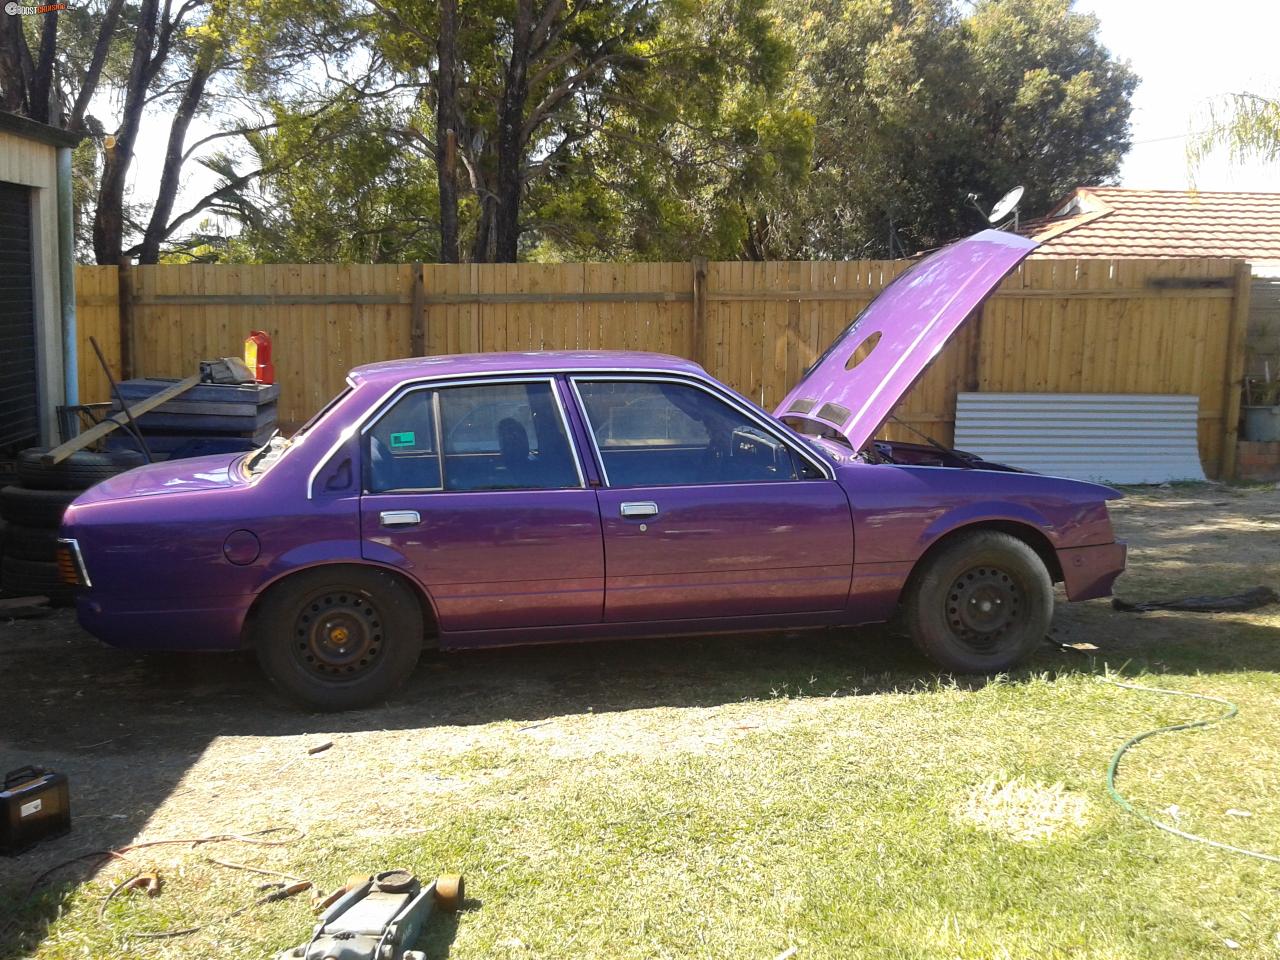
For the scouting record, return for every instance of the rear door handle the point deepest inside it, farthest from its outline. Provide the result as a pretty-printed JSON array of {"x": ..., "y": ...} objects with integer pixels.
[
  {"x": 639, "y": 509},
  {"x": 399, "y": 518}
]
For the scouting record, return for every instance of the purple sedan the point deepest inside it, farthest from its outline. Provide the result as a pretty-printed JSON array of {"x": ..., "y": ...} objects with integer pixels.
[{"x": 499, "y": 499}]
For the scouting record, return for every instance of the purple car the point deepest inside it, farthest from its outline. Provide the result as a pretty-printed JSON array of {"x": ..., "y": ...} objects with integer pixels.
[{"x": 499, "y": 499}]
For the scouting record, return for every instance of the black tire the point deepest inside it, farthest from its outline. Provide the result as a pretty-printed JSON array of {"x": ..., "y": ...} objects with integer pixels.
[
  {"x": 981, "y": 604},
  {"x": 80, "y": 471},
  {"x": 35, "y": 508},
  {"x": 338, "y": 638},
  {"x": 29, "y": 578},
  {"x": 30, "y": 543}
]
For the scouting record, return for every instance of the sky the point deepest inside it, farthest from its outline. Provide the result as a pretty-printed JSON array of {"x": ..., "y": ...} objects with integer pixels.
[{"x": 1186, "y": 52}]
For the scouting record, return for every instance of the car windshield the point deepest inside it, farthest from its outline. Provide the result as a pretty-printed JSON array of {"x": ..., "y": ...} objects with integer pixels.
[{"x": 261, "y": 460}]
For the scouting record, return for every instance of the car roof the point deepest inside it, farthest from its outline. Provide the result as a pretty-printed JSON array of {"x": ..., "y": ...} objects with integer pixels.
[{"x": 534, "y": 361}]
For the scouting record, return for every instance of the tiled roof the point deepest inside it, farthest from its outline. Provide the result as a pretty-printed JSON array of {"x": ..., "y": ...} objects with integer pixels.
[{"x": 1119, "y": 222}]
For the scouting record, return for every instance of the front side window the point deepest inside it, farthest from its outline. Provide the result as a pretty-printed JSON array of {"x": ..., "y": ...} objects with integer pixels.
[
  {"x": 498, "y": 436},
  {"x": 654, "y": 433}
]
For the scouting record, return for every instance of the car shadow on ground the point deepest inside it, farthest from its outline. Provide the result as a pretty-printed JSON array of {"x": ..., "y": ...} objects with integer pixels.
[{"x": 127, "y": 727}]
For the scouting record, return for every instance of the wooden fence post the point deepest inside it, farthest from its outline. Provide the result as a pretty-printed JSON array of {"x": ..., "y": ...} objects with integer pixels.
[
  {"x": 124, "y": 305},
  {"x": 1234, "y": 380},
  {"x": 699, "y": 265},
  {"x": 418, "y": 310}
]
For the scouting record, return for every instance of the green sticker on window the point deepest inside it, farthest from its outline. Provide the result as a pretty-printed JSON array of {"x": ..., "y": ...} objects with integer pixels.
[{"x": 406, "y": 439}]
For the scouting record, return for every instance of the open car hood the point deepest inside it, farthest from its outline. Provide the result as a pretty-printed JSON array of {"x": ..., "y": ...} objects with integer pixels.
[{"x": 913, "y": 317}]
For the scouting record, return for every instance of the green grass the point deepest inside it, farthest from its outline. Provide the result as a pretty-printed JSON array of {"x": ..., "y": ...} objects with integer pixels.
[
  {"x": 837, "y": 829},
  {"x": 735, "y": 799}
]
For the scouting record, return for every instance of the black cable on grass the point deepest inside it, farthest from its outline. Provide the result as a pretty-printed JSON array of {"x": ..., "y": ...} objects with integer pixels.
[{"x": 122, "y": 853}]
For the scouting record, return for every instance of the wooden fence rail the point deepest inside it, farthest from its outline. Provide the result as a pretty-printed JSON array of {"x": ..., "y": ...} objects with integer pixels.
[{"x": 1070, "y": 326}]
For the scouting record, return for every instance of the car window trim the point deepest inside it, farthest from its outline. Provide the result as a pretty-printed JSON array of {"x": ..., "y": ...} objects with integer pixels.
[
  {"x": 698, "y": 384},
  {"x": 376, "y": 407},
  {"x": 404, "y": 389}
]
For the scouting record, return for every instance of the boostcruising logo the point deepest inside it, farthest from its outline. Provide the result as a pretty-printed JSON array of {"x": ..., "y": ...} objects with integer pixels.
[{"x": 16, "y": 9}]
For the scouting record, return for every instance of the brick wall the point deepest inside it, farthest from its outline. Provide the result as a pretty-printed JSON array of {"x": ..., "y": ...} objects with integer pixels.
[{"x": 1257, "y": 460}]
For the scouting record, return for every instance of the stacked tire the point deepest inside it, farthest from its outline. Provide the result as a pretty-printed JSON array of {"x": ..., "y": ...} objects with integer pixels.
[{"x": 32, "y": 513}]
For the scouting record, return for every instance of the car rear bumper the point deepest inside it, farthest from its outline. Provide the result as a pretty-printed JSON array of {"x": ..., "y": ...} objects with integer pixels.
[
  {"x": 1090, "y": 572},
  {"x": 211, "y": 623}
]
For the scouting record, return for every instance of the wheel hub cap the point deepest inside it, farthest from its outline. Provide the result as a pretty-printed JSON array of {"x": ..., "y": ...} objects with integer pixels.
[
  {"x": 982, "y": 605},
  {"x": 337, "y": 635}
]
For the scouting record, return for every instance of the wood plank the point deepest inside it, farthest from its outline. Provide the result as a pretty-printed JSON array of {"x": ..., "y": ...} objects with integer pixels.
[
  {"x": 1235, "y": 367},
  {"x": 99, "y": 430},
  {"x": 418, "y": 313}
]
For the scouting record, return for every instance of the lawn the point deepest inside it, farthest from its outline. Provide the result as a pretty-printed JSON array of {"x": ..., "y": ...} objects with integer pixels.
[{"x": 730, "y": 798}]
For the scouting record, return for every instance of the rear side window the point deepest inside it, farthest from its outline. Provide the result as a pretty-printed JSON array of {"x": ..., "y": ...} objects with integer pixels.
[
  {"x": 656, "y": 433},
  {"x": 501, "y": 436}
]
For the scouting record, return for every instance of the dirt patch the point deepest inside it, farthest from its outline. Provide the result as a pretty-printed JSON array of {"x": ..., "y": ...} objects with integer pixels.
[{"x": 1022, "y": 811}]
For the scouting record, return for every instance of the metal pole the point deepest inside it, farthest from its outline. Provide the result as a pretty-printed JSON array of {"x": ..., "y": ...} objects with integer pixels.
[
  {"x": 115, "y": 391},
  {"x": 67, "y": 281}
]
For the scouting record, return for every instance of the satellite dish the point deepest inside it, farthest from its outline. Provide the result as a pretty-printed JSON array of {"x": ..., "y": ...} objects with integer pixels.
[{"x": 1007, "y": 205}]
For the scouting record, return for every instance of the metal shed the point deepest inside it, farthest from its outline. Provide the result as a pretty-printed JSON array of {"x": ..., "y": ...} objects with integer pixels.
[{"x": 37, "y": 291}]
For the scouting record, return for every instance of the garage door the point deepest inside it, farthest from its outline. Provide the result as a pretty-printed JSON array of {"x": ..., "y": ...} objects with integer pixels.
[{"x": 19, "y": 424}]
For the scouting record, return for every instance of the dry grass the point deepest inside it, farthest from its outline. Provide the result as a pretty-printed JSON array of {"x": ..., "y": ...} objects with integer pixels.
[{"x": 1021, "y": 811}]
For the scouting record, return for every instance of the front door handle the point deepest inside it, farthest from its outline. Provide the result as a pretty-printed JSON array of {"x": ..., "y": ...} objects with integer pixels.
[
  {"x": 399, "y": 518},
  {"x": 639, "y": 509}
]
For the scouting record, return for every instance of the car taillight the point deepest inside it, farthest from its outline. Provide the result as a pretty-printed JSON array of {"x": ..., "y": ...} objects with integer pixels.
[{"x": 70, "y": 564}]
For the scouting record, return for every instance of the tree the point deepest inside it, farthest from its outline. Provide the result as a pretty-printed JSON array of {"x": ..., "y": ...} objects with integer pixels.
[
  {"x": 568, "y": 127},
  {"x": 675, "y": 159},
  {"x": 338, "y": 189},
  {"x": 180, "y": 57},
  {"x": 918, "y": 106},
  {"x": 1247, "y": 124}
]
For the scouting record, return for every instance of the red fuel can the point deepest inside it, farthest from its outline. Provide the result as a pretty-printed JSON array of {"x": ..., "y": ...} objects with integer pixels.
[{"x": 257, "y": 356}]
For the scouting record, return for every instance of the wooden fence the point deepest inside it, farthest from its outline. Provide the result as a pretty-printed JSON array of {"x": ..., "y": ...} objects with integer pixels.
[{"x": 1106, "y": 326}]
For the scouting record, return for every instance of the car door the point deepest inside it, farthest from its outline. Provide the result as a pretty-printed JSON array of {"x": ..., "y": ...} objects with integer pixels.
[
  {"x": 475, "y": 489},
  {"x": 708, "y": 511}
]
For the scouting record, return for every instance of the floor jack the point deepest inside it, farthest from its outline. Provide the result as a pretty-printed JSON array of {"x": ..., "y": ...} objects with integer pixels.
[{"x": 379, "y": 919}]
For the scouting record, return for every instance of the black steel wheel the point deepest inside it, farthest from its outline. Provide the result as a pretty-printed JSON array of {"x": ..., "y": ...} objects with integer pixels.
[
  {"x": 337, "y": 633},
  {"x": 341, "y": 637},
  {"x": 981, "y": 604}
]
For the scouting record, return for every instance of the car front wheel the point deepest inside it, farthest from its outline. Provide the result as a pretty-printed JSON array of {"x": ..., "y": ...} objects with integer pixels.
[
  {"x": 981, "y": 604},
  {"x": 339, "y": 638}
]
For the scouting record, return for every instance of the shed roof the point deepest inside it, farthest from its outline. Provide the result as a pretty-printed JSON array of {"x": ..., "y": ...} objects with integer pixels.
[
  {"x": 41, "y": 132},
  {"x": 1119, "y": 222}
]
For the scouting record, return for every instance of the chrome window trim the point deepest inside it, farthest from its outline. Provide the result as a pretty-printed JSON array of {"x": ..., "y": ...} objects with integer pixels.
[
  {"x": 685, "y": 376},
  {"x": 404, "y": 389},
  {"x": 74, "y": 544},
  {"x": 699, "y": 384}
]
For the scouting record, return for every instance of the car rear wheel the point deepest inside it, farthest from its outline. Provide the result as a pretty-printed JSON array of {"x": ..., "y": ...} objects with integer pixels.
[
  {"x": 338, "y": 638},
  {"x": 981, "y": 604}
]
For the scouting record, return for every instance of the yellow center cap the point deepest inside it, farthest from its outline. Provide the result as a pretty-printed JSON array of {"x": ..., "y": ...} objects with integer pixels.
[{"x": 338, "y": 634}]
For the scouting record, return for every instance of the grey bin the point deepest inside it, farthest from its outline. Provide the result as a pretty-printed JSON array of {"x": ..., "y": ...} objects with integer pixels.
[{"x": 1262, "y": 423}]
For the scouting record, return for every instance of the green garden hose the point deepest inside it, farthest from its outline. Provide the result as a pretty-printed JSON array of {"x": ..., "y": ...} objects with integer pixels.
[{"x": 1230, "y": 712}]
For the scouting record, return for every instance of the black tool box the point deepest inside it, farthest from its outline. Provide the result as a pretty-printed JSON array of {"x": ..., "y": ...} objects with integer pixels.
[{"x": 34, "y": 805}]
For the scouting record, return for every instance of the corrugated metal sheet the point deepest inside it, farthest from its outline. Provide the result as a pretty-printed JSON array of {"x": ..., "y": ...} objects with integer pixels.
[{"x": 1108, "y": 437}]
